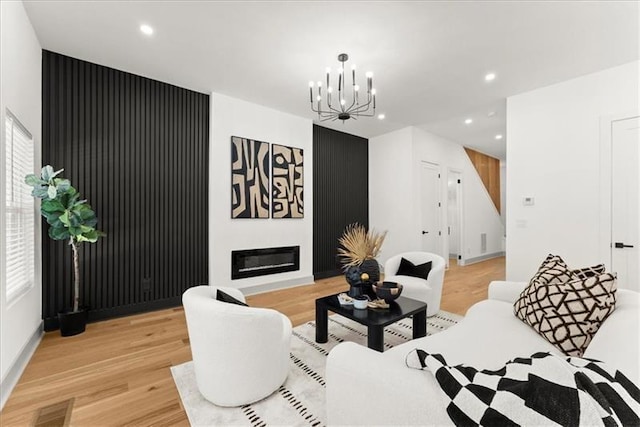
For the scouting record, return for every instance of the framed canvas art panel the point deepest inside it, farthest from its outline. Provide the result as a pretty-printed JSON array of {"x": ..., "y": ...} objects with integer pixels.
[
  {"x": 287, "y": 187},
  {"x": 249, "y": 178}
]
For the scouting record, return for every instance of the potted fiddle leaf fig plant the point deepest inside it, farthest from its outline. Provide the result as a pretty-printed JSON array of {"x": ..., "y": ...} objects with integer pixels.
[{"x": 69, "y": 218}]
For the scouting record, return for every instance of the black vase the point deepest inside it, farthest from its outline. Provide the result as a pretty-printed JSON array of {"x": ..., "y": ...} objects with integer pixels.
[
  {"x": 355, "y": 291},
  {"x": 72, "y": 322},
  {"x": 372, "y": 268}
]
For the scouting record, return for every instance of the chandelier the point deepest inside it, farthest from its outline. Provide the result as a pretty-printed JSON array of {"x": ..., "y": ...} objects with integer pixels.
[{"x": 343, "y": 107}]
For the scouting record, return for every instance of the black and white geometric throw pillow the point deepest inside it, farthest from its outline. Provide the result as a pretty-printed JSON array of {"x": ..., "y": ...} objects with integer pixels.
[
  {"x": 543, "y": 389},
  {"x": 585, "y": 273},
  {"x": 552, "y": 270},
  {"x": 568, "y": 315}
]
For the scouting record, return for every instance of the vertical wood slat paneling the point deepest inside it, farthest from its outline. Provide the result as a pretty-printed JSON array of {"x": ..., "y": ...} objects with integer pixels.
[
  {"x": 488, "y": 169},
  {"x": 137, "y": 150},
  {"x": 340, "y": 193}
]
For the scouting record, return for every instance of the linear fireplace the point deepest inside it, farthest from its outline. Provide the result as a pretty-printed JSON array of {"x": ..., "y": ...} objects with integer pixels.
[{"x": 260, "y": 262}]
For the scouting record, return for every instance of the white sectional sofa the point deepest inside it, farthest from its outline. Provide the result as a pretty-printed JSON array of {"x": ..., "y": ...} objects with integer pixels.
[{"x": 365, "y": 387}]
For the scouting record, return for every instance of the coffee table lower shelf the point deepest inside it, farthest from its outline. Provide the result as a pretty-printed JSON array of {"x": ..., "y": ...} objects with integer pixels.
[{"x": 374, "y": 319}]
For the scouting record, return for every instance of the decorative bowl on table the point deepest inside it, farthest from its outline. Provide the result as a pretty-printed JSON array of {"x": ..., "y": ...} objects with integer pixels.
[{"x": 388, "y": 291}]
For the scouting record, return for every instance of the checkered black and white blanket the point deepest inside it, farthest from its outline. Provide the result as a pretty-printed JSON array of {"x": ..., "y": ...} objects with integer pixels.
[{"x": 543, "y": 389}]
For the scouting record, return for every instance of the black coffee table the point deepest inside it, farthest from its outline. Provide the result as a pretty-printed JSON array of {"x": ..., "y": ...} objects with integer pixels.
[{"x": 375, "y": 319}]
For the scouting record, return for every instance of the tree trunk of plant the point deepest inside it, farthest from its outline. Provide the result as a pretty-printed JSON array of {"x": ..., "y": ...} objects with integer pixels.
[{"x": 76, "y": 275}]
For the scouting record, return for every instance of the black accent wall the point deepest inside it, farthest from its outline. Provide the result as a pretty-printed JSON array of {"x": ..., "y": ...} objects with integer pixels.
[
  {"x": 137, "y": 150},
  {"x": 340, "y": 193}
]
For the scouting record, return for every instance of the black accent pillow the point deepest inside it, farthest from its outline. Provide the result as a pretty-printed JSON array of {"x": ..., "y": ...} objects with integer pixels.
[
  {"x": 407, "y": 268},
  {"x": 225, "y": 297}
]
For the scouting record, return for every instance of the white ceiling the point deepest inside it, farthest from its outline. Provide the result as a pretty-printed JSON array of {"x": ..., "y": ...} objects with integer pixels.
[{"x": 429, "y": 58}]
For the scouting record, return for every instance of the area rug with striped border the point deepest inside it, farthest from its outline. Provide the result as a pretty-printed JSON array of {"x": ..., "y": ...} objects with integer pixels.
[{"x": 300, "y": 401}]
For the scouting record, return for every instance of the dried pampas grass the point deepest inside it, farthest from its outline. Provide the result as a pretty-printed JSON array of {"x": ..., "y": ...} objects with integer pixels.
[{"x": 359, "y": 245}]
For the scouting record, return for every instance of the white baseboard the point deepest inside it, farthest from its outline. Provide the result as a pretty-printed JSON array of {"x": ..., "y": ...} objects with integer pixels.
[
  {"x": 482, "y": 258},
  {"x": 15, "y": 372},
  {"x": 291, "y": 283}
]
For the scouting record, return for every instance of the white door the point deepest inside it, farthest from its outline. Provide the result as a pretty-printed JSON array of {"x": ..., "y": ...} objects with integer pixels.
[
  {"x": 454, "y": 181},
  {"x": 430, "y": 203},
  {"x": 625, "y": 216}
]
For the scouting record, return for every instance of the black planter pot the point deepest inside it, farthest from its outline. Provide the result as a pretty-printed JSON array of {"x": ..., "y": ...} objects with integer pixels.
[
  {"x": 355, "y": 291},
  {"x": 358, "y": 287},
  {"x": 367, "y": 290},
  {"x": 72, "y": 322},
  {"x": 372, "y": 268}
]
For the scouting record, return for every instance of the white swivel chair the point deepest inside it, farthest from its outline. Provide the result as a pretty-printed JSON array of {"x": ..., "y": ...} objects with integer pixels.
[
  {"x": 240, "y": 354},
  {"x": 429, "y": 290}
]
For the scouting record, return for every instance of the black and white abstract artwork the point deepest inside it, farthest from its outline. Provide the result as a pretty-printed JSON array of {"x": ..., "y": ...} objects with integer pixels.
[
  {"x": 249, "y": 178},
  {"x": 288, "y": 182}
]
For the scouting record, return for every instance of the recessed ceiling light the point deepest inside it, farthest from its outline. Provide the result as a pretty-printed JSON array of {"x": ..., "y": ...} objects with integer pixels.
[
  {"x": 468, "y": 121},
  {"x": 490, "y": 77},
  {"x": 146, "y": 29},
  {"x": 381, "y": 116},
  {"x": 499, "y": 136}
]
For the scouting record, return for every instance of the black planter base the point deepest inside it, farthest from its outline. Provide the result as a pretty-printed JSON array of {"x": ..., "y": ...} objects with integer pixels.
[
  {"x": 72, "y": 322},
  {"x": 355, "y": 291},
  {"x": 372, "y": 268}
]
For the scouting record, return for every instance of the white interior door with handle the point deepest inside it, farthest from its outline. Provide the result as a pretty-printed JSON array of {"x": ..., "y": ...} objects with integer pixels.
[
  {"x": 430, "y": 204},
  {"x": 454, "y": 205},
  {"x": 625, "y": 188}
]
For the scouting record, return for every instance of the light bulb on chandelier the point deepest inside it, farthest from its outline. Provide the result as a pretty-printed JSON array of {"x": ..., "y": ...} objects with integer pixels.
[{"x": 347, "y": 108}]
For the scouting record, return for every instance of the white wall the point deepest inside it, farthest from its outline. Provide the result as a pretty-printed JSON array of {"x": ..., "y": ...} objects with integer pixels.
[
  {"x": 390, "y": 208},
  {"x": 233, "y": 117},
  {"x": 394, "y": 188},
  {"x": 553, "y": 153},
  {"x": 21, "y": 77}
]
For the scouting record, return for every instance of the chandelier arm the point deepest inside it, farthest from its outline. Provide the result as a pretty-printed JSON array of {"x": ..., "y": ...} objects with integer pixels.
[
  {"x": 368, "y": 102},
  {"x": 359, "y": 107},
  {"x": 367, "y": 113},
  {"x": 355, "y": 92},
  {"x": 335, "y": 110},
  {"x": 362, "y": 108},
  {"x": 331, "y": 113},
  {"x": 321, "y": 111},
  {"x": 353, "y": 102},
  {"x": 342, "y": 80}
]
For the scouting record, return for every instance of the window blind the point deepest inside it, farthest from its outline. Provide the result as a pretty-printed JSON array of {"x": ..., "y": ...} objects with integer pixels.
[{"x": 19, "y": 209}]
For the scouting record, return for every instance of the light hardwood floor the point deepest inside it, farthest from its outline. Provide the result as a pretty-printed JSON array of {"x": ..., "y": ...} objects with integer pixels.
[{"x": 117, "y": 372}]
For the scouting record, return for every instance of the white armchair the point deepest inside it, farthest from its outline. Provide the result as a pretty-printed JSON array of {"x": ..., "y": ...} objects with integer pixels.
[
  {"x": 430, "y": 290},
  {"x": 241, "y": 354}
]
